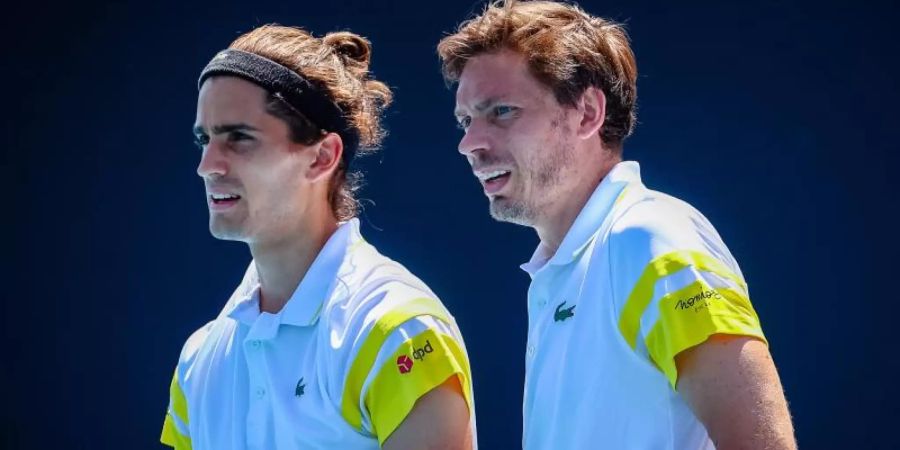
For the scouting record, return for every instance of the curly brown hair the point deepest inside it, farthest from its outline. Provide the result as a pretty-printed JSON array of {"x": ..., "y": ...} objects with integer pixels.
[
  {"x": 567, "y": 50},
  {"x": 338, "y": 64}
]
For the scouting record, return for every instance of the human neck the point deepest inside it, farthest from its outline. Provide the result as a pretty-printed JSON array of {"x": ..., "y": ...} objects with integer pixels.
[
  {"x": 558, "y": 219},
  {"x": 282, "y": 264}
]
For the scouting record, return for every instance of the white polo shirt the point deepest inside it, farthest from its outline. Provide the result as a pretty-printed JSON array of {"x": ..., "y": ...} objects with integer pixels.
[
  {"x": 339, "y": 367},
  {"x": 640, "y": 277}
]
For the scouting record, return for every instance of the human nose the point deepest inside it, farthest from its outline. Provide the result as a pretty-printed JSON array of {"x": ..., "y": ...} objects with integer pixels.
[
  {"x": 212, "y": 162},
  {"x": 475, "y": 139}
]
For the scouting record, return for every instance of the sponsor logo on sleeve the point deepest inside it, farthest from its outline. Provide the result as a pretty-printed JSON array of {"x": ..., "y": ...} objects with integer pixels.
[
  {"x": 420, "y": 353},
  {"x": 699, "y": 301},
  {"x": 404, "y": 364}
]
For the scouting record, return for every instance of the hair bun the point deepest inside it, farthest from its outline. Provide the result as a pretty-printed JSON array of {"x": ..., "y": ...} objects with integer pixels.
[{"x": 351, "y": 46}]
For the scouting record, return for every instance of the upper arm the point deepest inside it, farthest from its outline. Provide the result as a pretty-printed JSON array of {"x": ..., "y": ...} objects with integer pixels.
[
  {"x": 681, "y": 299},
  {"x": 176, "y": 426},
  {"x": 439, "y": 420},
  {"x": 676, "y": 284},
  {"x": 686, "y": 307},
  {"x": 429, "y": 357},
  {"x": 175, "y": 432},
  {"x": 731, "y": 384},
  {"x": 407, "y": 356}
]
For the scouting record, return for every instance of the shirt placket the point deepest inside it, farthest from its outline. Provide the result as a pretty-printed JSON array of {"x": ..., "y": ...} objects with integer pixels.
[
  {"x": 538, "y": 299},
  {"x": 255, "y": 348}
]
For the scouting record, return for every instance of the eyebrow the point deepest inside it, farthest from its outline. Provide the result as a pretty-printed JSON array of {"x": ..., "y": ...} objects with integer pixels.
[
  {"x": 481, "y": 106},
  {"x": 225, "y": 128}
]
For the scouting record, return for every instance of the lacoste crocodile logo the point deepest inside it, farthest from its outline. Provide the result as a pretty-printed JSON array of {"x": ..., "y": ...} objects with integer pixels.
[
  {"x": 301, "y": 388},
  {"x": 562, "y": 314}
]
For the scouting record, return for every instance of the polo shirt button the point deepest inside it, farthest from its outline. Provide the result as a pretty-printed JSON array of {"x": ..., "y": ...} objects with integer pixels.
[
  {"x": 260, "y": 392},
  {"x": 530, "y": 351},
  {"x": 254, "y": 343}
]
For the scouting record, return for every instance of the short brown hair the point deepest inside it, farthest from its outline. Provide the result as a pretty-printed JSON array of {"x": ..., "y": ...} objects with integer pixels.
[
  {"x": 338, "y": 63},
  {"x": 567, "y": 49}
]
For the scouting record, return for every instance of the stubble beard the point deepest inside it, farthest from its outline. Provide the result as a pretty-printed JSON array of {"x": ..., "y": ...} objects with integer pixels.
[
  {"x": 512, "y": 211},
  {"x": 544, "y": 173}
]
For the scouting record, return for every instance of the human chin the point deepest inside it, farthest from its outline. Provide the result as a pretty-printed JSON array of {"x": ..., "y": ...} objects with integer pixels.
[
  {"x": 504, "y": 209},
  {"x": 226, "y": 228}
]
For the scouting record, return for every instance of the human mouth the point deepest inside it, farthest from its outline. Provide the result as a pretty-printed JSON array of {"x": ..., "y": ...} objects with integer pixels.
[
  {"x": 221, "y": 201},
  {"x": 493, "y": 180}
]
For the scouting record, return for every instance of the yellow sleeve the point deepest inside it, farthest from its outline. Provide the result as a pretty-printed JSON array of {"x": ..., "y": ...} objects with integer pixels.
[
  {"x": 423, "y": 361},
  {"x": 681, "y": 299},
  {"x": 419, "y": 365},
  {"x": 175, "y": 431}
]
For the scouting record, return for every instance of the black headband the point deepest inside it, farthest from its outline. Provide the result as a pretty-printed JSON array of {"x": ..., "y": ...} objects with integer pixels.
[{"x": 296, "y": 90}]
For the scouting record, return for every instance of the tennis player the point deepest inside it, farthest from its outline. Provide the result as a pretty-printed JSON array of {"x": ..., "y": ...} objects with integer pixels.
[
  {"x": 641, "y": 332},
  {"x": 325, "y": 343}
]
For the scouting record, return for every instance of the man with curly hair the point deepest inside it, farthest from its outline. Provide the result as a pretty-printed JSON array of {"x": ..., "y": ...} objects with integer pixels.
[{"x": 325, "y": 343}]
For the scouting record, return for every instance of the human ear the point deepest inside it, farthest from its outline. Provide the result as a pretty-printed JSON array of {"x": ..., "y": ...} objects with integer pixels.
[
  {"x": 592, "y": 108},
  {"x": 327, "y": 157}
]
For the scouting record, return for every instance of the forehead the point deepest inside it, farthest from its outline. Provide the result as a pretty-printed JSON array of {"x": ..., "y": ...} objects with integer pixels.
[
  {"x": 225, "y": 99},
  {"x": 499, "y": 75}
]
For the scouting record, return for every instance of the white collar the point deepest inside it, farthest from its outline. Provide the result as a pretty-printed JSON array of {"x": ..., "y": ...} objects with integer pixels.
[
  {"x": 305, "y": 304},
  {"x": 589, "y": 219}
]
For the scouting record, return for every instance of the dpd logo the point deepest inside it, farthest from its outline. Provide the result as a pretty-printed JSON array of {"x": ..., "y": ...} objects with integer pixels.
[
  {"x": 404, "y": 364},
  {"x": 420, "y": 353}
]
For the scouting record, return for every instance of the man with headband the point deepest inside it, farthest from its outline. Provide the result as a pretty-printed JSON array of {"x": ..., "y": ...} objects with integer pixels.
[
  {"x": 641, "y": 331},
  {"x": 325, "y": 343}
]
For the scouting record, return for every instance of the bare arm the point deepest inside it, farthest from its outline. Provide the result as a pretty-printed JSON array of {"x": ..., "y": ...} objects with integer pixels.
[
  {"x": 438, "y": 421},
  {"x": 731, "y": 384}
]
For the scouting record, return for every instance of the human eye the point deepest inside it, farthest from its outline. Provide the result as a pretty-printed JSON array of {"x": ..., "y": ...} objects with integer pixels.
[
  {"x": 237, "y": 136},
  {"x": 462, "y": 122},
  {"x": 503, "y": 111},
  {"x": 200, "y": 140}
]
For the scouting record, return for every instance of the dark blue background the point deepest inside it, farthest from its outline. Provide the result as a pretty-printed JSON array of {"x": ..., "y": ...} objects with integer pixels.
[{"x": 778, "y": 122}]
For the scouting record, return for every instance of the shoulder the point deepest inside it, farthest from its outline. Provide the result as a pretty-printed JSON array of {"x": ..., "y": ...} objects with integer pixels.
[
  {"x": 195, "y": 342},
  {"x": 658, "y": 221},
  {"x": 372, "y": 286},
  {"x": 653, "y": 224},
  {"x": 199, "y": 345},
  {"x": 656, "y": 235},
  {"x": 382, "y": 321},
  {"x": 675, "y": 283}
]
